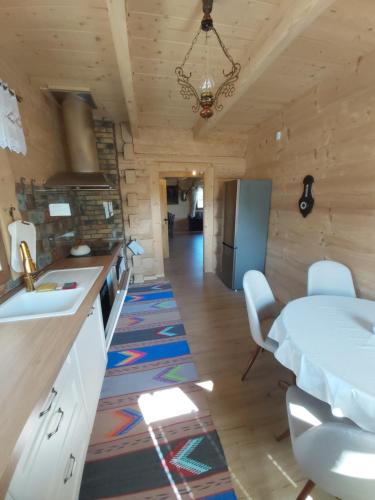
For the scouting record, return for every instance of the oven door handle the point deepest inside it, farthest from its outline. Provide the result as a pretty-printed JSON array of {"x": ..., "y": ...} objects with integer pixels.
[
  {"x": 124, "y": 282},
  {"x": 120, "y": 269}
]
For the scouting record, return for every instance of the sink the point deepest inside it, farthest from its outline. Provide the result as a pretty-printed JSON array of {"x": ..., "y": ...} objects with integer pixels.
[{"x": 32, "y": 305}]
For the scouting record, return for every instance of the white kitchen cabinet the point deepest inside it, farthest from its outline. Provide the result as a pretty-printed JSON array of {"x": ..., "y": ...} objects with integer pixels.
[
  {"x": 34, "y": 478},
  {"x": 92, "y": 358},
  {"x": 51, "y": 465},
  {"x": 67, "y": 479}
]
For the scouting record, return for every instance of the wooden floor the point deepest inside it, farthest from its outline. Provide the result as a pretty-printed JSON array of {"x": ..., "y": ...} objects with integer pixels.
[{"x": 247, "y": 414}]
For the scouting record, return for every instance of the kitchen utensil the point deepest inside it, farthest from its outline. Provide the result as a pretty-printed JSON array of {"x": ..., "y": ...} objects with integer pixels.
[{"x": 21, "y": 231}]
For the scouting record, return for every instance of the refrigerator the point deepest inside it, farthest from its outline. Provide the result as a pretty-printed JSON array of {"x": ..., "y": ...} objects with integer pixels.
[{"x": 246, "y": 218}]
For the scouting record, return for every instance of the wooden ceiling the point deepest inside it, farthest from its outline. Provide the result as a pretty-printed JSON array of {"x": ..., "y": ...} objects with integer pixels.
[
  {"x": 69, "y": 43},
  {"x": 161, "y": 34},
  {"x": 337, "y": 39},
  {"x": 64, "y": 43}
]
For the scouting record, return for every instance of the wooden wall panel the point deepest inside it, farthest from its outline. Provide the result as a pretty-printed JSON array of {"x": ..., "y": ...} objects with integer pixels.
[
  {"x": 169, "y": 152},
  {"x": 44, "y": 139},
  {"x": 68, "y": 43},
  {"x": 65, "y": 44},
  {"x": 42, "y": 124},
  {"x": 329, "y": 133}
]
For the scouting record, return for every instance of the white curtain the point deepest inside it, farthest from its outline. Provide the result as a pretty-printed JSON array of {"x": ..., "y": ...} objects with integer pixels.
[
  {"x": 11, "y": 131},
  {"x": 194, "y": 199}
]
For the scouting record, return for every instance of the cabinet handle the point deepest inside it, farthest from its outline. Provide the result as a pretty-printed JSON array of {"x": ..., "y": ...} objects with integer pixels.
[
  {"x": 52, "y": 399},
  {"x": 91, "y": 311},
  {"x": 50, "y": 434},
  {"x": 71, "y": 467}
]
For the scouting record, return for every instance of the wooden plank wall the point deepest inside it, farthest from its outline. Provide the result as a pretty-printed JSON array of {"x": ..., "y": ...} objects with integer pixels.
[
  {"x": 42, "y": 124},
  {"x": 330, "y": 134},
  {"x": 45, "y": 150},
  {"x": 166, "y": 150}
]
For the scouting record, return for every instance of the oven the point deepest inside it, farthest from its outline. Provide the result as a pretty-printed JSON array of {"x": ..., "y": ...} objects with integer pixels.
[{"x": 115, "y": 286}]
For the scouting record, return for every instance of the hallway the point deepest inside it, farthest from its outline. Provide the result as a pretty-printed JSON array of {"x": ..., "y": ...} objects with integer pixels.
[
  {"x": 185, "y": 256},
  {"x": 247, "y": 415},
  {"x": 153, "y": 435}
]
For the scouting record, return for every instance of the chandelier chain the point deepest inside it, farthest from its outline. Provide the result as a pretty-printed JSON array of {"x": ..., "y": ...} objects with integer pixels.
[
  {"x": 191, "y": 48},
  {"x": 225, "y": 50},
  {"x": 222, "y": 45}
]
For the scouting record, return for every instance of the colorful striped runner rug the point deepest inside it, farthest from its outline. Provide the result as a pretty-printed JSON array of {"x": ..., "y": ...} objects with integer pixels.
[{"x": 153, "y": 436}]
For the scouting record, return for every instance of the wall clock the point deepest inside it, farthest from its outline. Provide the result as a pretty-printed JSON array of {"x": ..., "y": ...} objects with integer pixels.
[{"x": 306, "y": 202}]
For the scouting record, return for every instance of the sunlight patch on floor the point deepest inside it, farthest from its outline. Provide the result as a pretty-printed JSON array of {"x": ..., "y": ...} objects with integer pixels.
[
  {"x": 240, "y": 485},
  {"x": 164, "y": 404},
  {"x": 208, "y": 385},
  {"x": 164, "y": 464},
  {"x": 279, "y": 468}
]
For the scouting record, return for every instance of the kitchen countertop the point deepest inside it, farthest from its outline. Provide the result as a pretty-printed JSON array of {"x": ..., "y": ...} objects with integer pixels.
[{"x": 32, "y": 353}]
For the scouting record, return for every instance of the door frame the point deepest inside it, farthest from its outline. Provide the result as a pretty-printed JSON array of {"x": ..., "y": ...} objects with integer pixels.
[
  {"x": 183, "y": 169},
  {"x": 164, "y": 216}
]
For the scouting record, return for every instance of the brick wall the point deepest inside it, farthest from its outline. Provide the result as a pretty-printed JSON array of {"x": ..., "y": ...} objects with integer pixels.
[
  {"x": 56, "y": 235},
  {"x": 93, "y": 223}
]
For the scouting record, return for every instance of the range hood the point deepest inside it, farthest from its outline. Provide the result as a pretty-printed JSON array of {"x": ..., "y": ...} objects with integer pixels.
[{"x": 79, "y": 130}]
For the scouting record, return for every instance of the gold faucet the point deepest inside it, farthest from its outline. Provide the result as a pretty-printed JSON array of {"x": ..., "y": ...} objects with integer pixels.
[{"x": 28, "y": 266}]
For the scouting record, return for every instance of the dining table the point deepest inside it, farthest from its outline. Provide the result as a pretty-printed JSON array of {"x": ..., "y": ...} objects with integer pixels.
[{"x": 329, "y": 344}]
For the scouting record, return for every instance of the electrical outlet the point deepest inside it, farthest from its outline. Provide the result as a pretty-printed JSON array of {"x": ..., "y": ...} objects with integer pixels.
[{"x": 108, "y": 209}]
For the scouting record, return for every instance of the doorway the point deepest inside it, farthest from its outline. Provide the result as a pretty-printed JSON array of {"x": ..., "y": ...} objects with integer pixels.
[
  {"x": 163, "y": 170},
  {"x": 182, "y": 216}
]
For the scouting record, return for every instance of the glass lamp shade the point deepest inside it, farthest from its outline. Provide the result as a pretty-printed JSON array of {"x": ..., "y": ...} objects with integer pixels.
[
  {"x": 207, "y": 85},
  {"x": 206, "y": 96}
]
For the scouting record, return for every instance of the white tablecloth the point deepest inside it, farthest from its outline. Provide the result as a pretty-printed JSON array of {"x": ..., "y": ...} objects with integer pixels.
[{"x": 329, "y": 343}]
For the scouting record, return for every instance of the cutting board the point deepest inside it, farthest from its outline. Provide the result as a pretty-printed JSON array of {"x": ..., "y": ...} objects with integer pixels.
[{"x": 21, "y": 231}]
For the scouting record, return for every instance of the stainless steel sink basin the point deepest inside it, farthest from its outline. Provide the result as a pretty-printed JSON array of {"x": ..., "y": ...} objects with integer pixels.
[{"x": 32, "y": 305}]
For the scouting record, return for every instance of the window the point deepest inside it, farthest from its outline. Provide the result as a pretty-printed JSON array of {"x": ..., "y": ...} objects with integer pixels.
[{"x": 200, "y": 198}]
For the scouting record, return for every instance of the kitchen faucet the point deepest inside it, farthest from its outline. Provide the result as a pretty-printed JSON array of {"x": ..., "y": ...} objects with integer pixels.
[{"x": 29, "y": 267}]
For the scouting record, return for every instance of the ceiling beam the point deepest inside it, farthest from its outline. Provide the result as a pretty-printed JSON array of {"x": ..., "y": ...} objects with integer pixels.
[
  {"x": 290, "y": 20},
  {"x": 118, "y": 20}
]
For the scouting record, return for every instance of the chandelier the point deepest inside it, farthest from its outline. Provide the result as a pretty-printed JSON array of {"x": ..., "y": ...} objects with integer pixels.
[{"x": 207, "y": 97}]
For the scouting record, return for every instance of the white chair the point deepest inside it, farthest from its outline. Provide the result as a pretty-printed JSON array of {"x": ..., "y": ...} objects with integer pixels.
[
  {"x": 332, "y": 452},
  {"x": 327, "y": 277},
  {"x": 262, "y": 309}
]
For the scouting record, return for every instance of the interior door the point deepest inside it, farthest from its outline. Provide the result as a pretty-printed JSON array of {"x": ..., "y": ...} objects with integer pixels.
[{"x": 164, "y": 217}]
